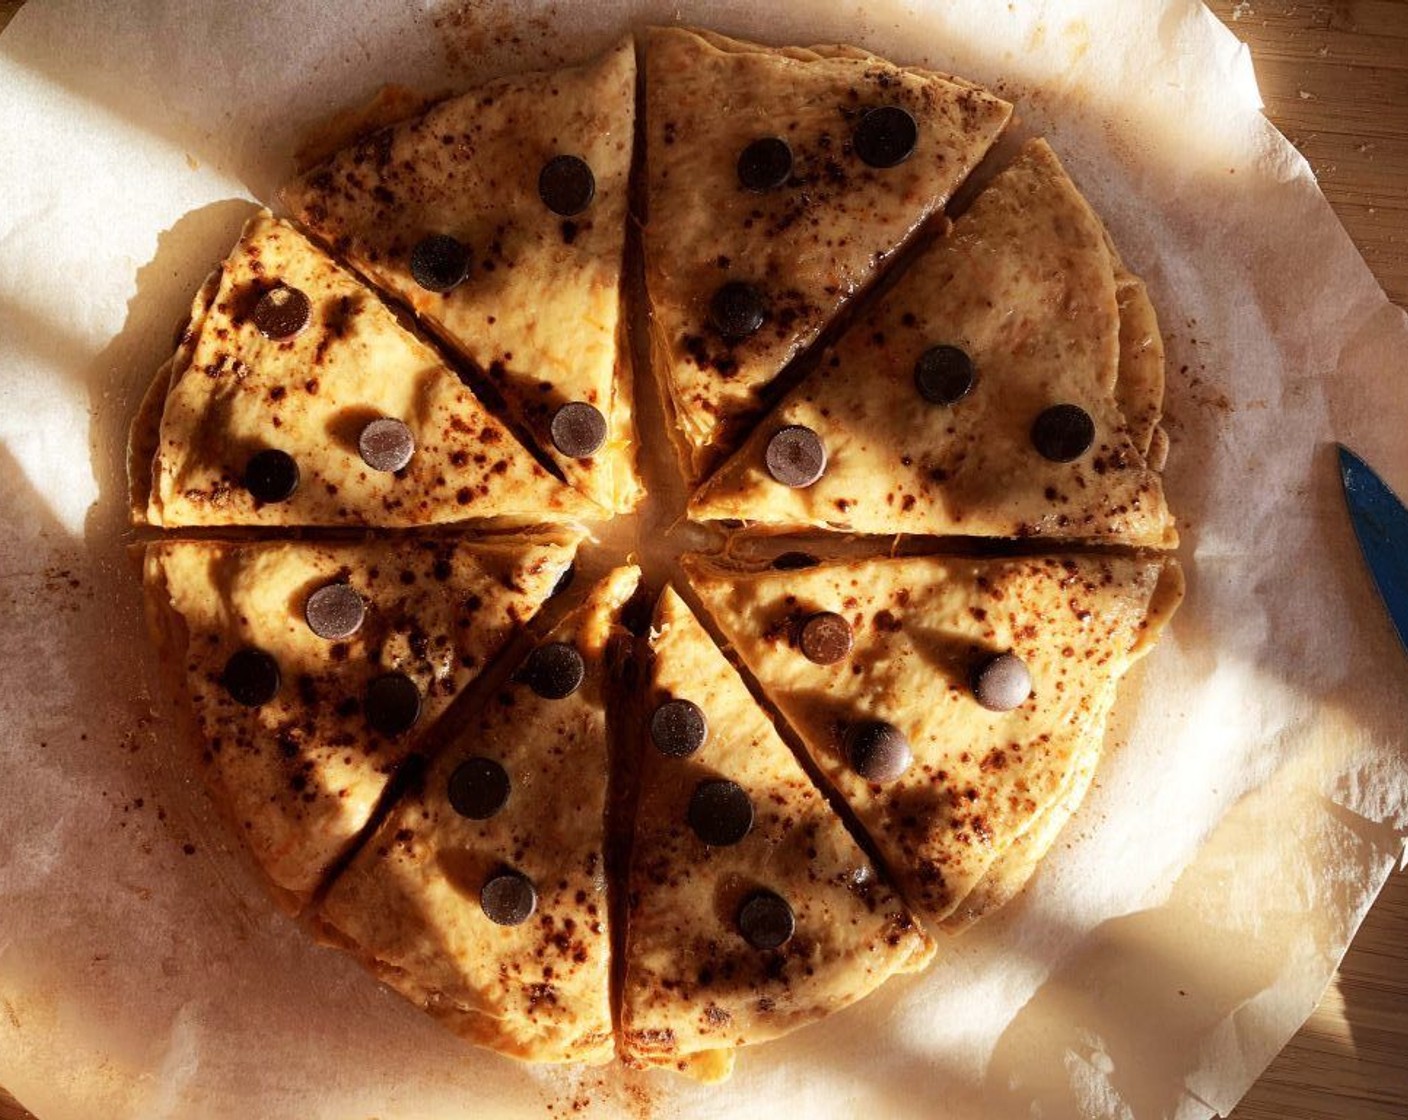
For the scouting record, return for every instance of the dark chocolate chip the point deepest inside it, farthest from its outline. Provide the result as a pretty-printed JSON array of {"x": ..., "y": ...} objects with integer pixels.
[
  {"x": 794, "y": 561},
  {"x": 878, "y": 751},
  {"x": 251, "y": 677},
  {"x": 578, "y": 430},
  {"x": 566, "y": 185},
  {"x": 825, "y": 638},
  {"x": 1002, "y": 682},
  {"x": 765, "y": 920},
  {"x": 1063, "y": 433},
  {"x": 678, "y": 728},
  {"x": 737, "y": 310},
  {"x": 720, "y": 812},
  {"x": 392, "y": 703},
  {"x": 885, "y": 136},
  {"x": 509, "y": 898},
  {"x": 478, "y": 788},
  {"x": 439, "y": 262},
  {"x": 944, "y": 374},
  {"x": 554, "y": 670},
  {"x": 796, "y": 457},
  {"x": 282, "y": 312},
  {"x": 386, "y": 444},
  {"x": 335, "y": 611},
  {"x": 765, "y": 164},
  {"x": 271, "y": 475}
]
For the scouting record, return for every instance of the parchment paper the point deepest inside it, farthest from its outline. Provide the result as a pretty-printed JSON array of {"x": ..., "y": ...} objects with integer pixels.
[{"x": 1182, "y": 929}]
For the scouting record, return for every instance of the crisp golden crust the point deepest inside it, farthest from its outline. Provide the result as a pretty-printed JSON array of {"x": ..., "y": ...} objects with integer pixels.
[
  {"x": 1025, "y": 284},
  {"x": 809, "y": 245},
  {"x": 408, "y": 903},
  {"x": 538, "y": 314},
  {"x": 234, "y": 392},
  {"x": 299, "y": 775},
  {"x": 694, "y": 988},
  {"x": 979, "y": 779}
]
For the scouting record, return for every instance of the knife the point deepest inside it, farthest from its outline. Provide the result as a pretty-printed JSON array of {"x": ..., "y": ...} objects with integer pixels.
[{"x": 1381, "y": 524}]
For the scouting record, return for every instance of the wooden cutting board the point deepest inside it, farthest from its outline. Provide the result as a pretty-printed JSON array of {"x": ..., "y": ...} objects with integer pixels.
[{"x": 1335, "y": 80}]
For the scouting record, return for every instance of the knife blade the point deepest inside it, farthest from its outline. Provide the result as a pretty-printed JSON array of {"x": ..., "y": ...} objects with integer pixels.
[{"x": 1381, "y": 524}]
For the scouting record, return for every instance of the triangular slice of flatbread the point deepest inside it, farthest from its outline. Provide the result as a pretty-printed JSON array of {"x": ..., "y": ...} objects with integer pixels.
[
  {"x": 414, "y": 903},
  {"x": 806, "y": 246},
  {"x": 921, "y": 630},
  {"x": 1026, "y": 285},
  {"x": 696, "y": 987},
  {"x": 231, "y": 392},
  {"x": 298, "y": 760},
  {"x": 539, "y": 312}
]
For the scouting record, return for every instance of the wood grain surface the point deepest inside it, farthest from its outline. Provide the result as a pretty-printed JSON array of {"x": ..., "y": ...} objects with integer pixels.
[{"x": 1335, "y": 80}]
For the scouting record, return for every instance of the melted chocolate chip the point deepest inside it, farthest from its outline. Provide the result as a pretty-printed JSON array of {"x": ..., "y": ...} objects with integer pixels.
[
  {"x": 766, "y": 920},
  {"x": 271, "y": 475},
  {"x": 392, "y": 703},
  {"x": 765, "y": 164},
  {"x": 478, "y": 788},
  {"x": 795, "y": 456},
  {"x": 678, "y": 728},
  {"x": 885, "y": 136},
  {"x": 509, "y": 898},
  {"x": 825, "y": 638},
  {"x": 282, "y": 312},
  {"x": 251, "y": 677},
  {"x": 719, "y": 812},
  {"x": 554, "y": 670},
  {"x": 944, "y": 375},
  {"x": 1002, "y": 683},
  {"x": 566, "y": 185},
  {"x": 1063, "y": 433},
  {"x": 439, "y": 263},
  {"x": 578, "y": 430},
  {"x": 334, "y": 611},
  {"x": 737, "y": 310},
  {"x": 386, "y": 444},
  {"x": 878, "y": 751}
]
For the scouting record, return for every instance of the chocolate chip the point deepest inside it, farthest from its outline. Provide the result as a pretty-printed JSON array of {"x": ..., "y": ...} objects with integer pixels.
[
  {"x": 885, "y": 136},
  {"x": 554, "y": 670},
  {"x": 1002, "y": 683},
  {"x": 282, "y": 312},
  {"x": 720, "y": 812},
  {"x": 566, "y": 185},
  {"x": 271, "y": 475},
  {"x": 765, "y": 920},
  {"x": 386, "y": 444},
  {"x": 944, "y": 375},
  {"x": 335, "y": 611},
  {"x": 251, "y": 677},
  {"x": 765, "y": 164},
  {"x": 1063, "y": 432},
  {"x": 794, "y": 561},
  {"x": 825, "y": 638},
  {"x": 678, "y": 728},
  {"x": 796, "y": 457},
  {"x": 478, "y": 788},
  {"x": 439, "y": 263},
  {"x": 392, "y": 703},
  {"x": 578, "y": 430},
  {"x": 737, "y": 310},
  {"x": 509, "y": 898},
  {"x": 878, "y": 751}
]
